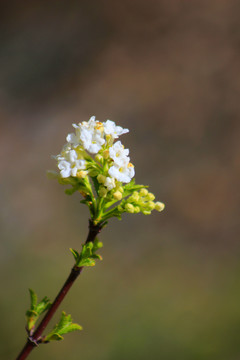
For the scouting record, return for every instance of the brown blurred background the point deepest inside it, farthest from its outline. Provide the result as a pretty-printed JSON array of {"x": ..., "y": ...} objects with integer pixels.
[{"x": 169, "y": 285}]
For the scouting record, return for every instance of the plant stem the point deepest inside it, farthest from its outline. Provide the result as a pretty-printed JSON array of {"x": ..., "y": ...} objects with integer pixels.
[{"x": 35, "y": 339}]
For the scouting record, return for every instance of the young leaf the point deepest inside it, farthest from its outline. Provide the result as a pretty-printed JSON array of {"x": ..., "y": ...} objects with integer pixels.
[
  {"x": 64, "y": 326},
  {"x": 33, "y": 299},
  {"x": 36, "y": 309},
  {"x": 86, "y": 262},
  {"x": 75, "y": 254},
  {"x": 43, "y": 305},
  {"x": 87, "y": 256}
]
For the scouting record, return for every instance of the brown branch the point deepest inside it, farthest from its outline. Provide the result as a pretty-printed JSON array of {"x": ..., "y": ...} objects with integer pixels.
[{"x": 35, "y": 339}]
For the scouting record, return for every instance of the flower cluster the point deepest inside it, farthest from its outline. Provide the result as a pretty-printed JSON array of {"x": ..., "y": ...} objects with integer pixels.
[
  {"x": 91, "y": 156},
  {"x": 96, "y": 138}
]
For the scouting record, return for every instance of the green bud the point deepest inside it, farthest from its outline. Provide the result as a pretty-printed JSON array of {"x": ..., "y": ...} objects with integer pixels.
[
  {"x": 143, "y": 192},
  {"x": 120, "y": 188},
  {"x": 101, "y": 179},
  {"x": 106, "y": 154},
  {"x": 102, "y": 191},
  {"x": 117, "y": 195},
  {"x": 135, "y": 196},
  {"x": 129, "y": 208},
  {"x": 99, "y": 158},
  {"x": 151, "y": 205},
  {"x": 137, "y": 209},
  {"x": 150, "y": 196},
  {"x": 146, "y": 212},
  {"x": 93, "y": 173},
  {"x": 81, "y": 174},
  {"x": 159, "y": 206}
]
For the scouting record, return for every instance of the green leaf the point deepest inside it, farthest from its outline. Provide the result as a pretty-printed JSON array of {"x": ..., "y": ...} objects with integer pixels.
[
  {"x": 87, "y": 256},
  {"x": 33, "y": 298},
  {"x": 31, "y": 313},
  {"x": 71, "y": 191},
  {"x": 70, "y": 180},
  {"x": 36, "y": 309},
  {"x": 75, "y": 254},
  {"x": 86, "y": 262},
  {"x": 64, "y": 326},
  {"x": 54, "y": 336},
  {"x": 43, "y": 305}
]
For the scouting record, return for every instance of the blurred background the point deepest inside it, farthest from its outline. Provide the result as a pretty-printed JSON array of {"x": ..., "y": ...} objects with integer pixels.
[{"x": 169, "y": 285}]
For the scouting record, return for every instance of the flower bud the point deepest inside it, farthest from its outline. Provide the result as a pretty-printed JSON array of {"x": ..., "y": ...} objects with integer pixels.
[
  {"x": 99, "y": 158},
  {"x": 93, "y": 173},
  {"x": 82, "y": 174},
  {"x": 146, "y": 212},
  {"x": 119, "y": 187},
  {"x": 106, "y": 154},
  {"x": 135, "y": 196},
  {"x": 101, "y": 179},
  {"x": 102, "y": 191},
  {"x": 117, "y": 195},
  {"x": 159, "y": 206},
  {"x": 143, "y": 192},
  {"x": 137, "y": 209},
  {"x": 129, "y": 208},
  {"x": 150, "y": 196},
  {"x": 151, "y": 205}
]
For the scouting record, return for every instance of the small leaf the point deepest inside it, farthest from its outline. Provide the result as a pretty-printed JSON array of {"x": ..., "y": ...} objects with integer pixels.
[
  {"x": 87, "y": 250},
  {"x": 31, "y": 313},
  {"x": 36, "y": 309},
  {"x": 64, "y": 326},
  {"x": 73, "y": 327},
  {"x": 33, "y": 298},
  {"x": 96, "y": 256},
  {"x": 71, "y": 191},
  {"x": 75, "y": 254},
  {"x": 55, "y": 336},
  {"x": 43, "y": 305},
  {"x": 86, "y": 262}
]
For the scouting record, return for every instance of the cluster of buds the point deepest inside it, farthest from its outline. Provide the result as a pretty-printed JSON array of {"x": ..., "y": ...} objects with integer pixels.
[
  {"x": 141, "y": 201},
  {"x": 100, "y": 169}
]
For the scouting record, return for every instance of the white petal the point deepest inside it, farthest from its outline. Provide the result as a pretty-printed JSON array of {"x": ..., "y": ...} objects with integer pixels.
[
  {"x": 65, "y": 168},
  {"x": 110, "y": 183}
]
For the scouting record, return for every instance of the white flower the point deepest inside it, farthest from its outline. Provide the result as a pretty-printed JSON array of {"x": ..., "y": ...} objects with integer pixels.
[
  {"x": 110, "y": 128},
  {"x": 92, "y": 140},
  {"x": 65, "y": 168},
  {"x": 69, "y": 163},
  {"x": 109, "y": 183},
  {"x": 73, "y": 139},
  {"x": 123, "y": 173},
  {"x": 118, "y": 153},
  {"x": 89, "y": 135}
]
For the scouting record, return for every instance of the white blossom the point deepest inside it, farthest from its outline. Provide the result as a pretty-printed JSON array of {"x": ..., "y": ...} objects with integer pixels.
[
  {"x": 88, "y": 134},
  {"x": 92, "y": 140},
  {"x": 69, "y": 162},
  {"x": 110, "y": 128},
  {"x": 65, "y": 168},
  {"x": 110, "y": 183},
  {"x": 118, "y": 153},
  {"x": 123, "y": 173}
]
